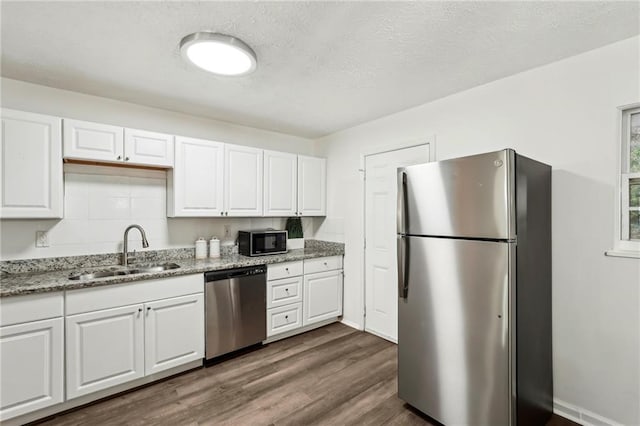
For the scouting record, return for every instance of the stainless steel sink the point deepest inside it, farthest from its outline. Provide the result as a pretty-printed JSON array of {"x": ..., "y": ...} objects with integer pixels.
[
  {"x": 157, "y": 267},
  {"x": 137, "y": 269}
]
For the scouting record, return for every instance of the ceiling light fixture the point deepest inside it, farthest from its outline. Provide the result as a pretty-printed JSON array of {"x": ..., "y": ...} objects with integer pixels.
[{"x": 218, "y": 53}]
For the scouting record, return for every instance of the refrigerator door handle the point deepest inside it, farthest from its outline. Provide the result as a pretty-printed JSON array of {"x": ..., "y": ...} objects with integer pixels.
[
  {"x": 401, "y": 217},
  {"x": 403, "y": 266}
]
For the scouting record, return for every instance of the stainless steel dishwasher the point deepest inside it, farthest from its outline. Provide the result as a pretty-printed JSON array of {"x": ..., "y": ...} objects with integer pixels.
[{"x": 235, "y": 309}]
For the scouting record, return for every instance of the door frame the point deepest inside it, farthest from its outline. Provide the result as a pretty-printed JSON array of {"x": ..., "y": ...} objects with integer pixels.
[{"x": 429, "y": 142}]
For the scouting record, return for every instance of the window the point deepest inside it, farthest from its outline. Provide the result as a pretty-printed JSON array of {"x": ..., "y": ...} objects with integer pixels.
[{"x": 630, "y": 179}]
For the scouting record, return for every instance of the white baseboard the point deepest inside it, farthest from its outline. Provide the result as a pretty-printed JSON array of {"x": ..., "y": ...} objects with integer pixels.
[
  {"x": 352, "y": 324},
  {"x": 581, "y": 415}
]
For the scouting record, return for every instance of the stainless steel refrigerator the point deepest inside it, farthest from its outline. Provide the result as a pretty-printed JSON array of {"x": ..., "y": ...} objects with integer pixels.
[{"x": 474, "y": 274}]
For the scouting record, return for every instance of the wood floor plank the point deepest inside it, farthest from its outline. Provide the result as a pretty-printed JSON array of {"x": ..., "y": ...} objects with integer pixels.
[{"x": 331, "y": 376}]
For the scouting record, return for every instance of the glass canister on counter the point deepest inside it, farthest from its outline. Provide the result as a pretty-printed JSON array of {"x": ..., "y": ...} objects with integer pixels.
[
  {"x": 214, "y": 247},
  {"x": 201, "y": 248}
]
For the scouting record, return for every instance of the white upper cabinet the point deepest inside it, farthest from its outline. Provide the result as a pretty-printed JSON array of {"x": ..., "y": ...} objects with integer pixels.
[
  {"x": 148, "y": 148},
  {"x": 243, "y": 181},
  {"x": 280, "y": 184},
  {"x": 195, "y": 187},
  {"x": 85, "y": 140},
  {"x": 312, "y": 186},
  {"x": 30, "y": 166}
]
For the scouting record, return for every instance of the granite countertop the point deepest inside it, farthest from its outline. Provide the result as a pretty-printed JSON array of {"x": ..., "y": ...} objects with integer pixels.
[{"x": 56, "y": 276}]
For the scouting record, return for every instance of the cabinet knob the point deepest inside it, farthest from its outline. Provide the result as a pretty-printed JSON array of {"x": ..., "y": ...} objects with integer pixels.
[
  {"x": 325, "y": 263},
  {"x": 286, "y": 269},
  {"x": 287, "y": 290},
  {"x": 139, "y": 310},
  {"x": 119, "y": 157},
  {"x": 286, "y": 317},
  {"x": 226, "y": 213},
  {"x": 126, "y": 158}
]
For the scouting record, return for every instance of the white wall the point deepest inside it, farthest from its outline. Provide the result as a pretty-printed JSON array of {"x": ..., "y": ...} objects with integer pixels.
[
  {"x": 563, "y": 114},
  {"x": 101, "y": 201},
  {"x": 63, "y": 103}
]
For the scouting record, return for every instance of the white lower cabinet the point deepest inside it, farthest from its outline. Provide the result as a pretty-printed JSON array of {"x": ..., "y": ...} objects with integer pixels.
[
  {"x": 104, "y": 349},
  {"x": 174, "y": 332},
  {"x": 108, "y": 345},
  {"x": 322, "y": 296},
  {"x": 303, "y": 293},
  {"x": 31, "y": 366}
]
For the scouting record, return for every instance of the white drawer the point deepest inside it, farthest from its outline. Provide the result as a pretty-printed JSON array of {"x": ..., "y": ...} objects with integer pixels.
[
  {"x": 284, "y": 318},
  {"x": 32, "y": 307},
  {"x": 284, "y": 270},
  {"x": 322, "y": 264},
  {"x": 284, "y": 292}
]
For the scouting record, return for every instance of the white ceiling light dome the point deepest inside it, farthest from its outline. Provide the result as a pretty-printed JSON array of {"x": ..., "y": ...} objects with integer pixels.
[{"x": 218, "y": 53}]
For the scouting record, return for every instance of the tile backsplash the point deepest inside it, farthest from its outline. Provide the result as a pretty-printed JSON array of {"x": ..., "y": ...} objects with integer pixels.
[{"x": 100, "y": 202}]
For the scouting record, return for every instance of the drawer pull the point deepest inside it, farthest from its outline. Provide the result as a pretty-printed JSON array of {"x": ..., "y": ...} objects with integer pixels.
[
  {"x": 286, "y": 317},
  {"x": 286, "y": 269},
  {"x": 287, "y": 290},
  {"x": 325, "y": 263}
]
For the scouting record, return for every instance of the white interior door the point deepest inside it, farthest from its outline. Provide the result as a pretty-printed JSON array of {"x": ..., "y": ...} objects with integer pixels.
[{"x": 381, "y": 276}]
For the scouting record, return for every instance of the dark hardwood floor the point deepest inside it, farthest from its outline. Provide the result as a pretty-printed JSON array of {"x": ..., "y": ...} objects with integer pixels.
[{"x": 331, "y": 376}]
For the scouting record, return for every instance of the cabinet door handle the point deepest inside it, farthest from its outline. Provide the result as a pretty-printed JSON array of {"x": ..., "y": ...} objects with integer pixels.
[
  {"x": 287, "y": 290},
  {"x": 221, "y": 213},
  {"x": 148, "y": 309},
  {"x": 139, "y": 311},
  {"x": 286, "y": 317},
  {"x": 226, "y": 213},
  {"x": 119, "y": 157},
  {"x": 126, "y": 158},
  {"x": 286, "y": 269}
]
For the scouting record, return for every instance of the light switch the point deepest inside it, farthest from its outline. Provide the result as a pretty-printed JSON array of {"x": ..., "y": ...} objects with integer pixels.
[{"x": 42, "y": 239}]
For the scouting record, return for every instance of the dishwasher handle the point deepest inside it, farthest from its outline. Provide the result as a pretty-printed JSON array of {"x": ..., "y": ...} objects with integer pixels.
[{"x": 234, "y": 273}]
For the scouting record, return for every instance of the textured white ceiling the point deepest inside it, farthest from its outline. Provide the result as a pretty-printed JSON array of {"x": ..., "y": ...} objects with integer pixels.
[{"x": 323, "y": 66}]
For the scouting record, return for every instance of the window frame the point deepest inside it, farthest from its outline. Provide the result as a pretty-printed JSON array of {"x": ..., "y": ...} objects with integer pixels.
[{"x": 623, "y": 246}]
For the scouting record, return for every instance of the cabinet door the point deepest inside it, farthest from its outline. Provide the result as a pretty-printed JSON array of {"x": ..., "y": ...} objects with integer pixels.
[
  {"x": 31, "y": 166},
  {"x": 148, "y": 148},
  {"x": 196, "y": 185},
  {"x": 31, "y": 367},
  {"x": 322, "y": 296},
  {"x": 93, "y": 141},
  {"x": 104, "y": 349},
  {"x": 312, "y": 186},
  {"x": 174, "y": 332},
  {"x": 243, "y": 181},
  {"x": 280, "y": 184}
]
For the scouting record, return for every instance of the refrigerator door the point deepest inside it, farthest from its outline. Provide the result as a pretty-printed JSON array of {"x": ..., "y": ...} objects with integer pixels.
[
  {"x": 470, "y": 197},
  {"x": 453, "y": 332}
]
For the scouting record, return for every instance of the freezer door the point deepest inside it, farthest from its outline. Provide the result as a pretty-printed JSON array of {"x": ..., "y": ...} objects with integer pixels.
[
  {"x": 453, "y": 332},
  {"x": 470, "y": 197}
]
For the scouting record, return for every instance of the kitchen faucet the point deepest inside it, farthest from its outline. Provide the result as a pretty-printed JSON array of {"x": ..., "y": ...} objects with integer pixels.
[{"x": 145, "y": 243}]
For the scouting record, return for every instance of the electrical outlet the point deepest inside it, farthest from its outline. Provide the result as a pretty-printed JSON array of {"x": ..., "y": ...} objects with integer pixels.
[{"x": 42, "y": 239}]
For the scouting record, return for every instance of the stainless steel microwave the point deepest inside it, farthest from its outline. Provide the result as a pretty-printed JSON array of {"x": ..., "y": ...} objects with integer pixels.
[{"x": 262, "y": 242}]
